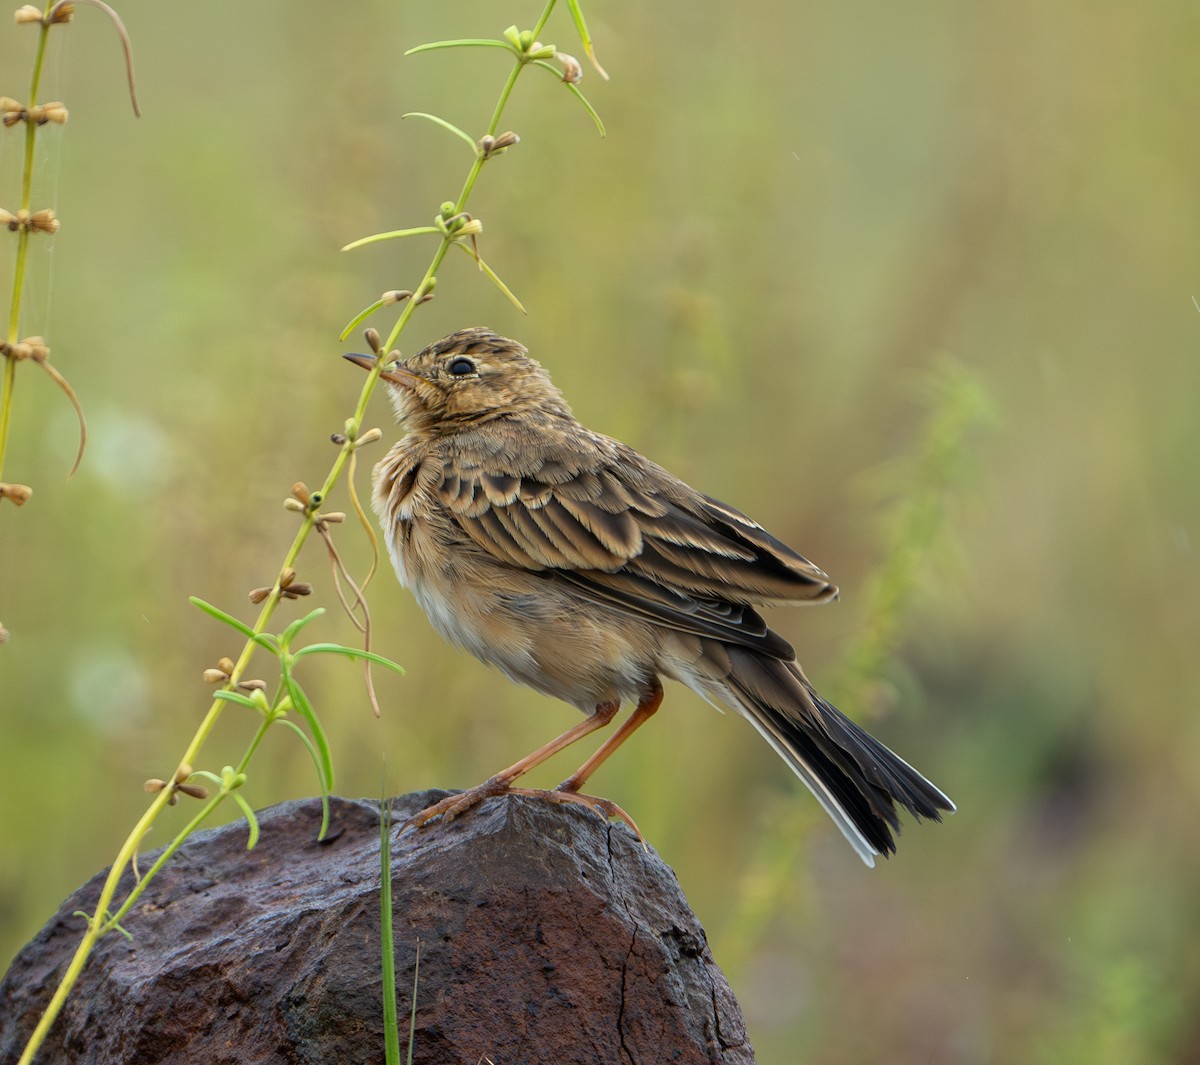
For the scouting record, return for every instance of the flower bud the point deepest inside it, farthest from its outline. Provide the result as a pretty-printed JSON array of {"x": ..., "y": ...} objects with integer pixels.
[
  {"x": 572, "y": 68},
  {"x": 18, "y": 494}
]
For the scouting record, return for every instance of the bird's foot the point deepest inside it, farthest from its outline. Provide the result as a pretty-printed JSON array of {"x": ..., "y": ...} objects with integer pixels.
[
  {"x": 454, "y": 805},
  {"x": 606, "y": 808}
]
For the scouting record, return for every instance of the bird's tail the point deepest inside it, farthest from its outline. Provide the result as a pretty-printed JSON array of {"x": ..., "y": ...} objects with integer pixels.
[{"x": 854, "y": 776}]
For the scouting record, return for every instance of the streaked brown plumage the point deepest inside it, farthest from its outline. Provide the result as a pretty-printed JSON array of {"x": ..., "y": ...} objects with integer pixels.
[{"x": 580, "y": 568}]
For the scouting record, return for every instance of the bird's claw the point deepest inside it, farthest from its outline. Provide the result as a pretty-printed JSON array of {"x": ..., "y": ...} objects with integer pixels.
[{"x": 453, "y": 805}]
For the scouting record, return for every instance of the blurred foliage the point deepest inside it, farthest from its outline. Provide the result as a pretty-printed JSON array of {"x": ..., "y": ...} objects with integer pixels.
[{"x": 798, "y": 211}]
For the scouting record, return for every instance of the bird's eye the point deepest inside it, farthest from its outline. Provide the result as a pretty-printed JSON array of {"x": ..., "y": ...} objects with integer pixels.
[{"x": 460, "y": 367}]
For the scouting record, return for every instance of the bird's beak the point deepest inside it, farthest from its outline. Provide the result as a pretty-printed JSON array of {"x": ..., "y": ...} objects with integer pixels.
[{"x": 396, "y": 376}]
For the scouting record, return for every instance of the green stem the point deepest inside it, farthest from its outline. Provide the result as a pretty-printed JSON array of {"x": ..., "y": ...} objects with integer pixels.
[{"x": 14, "y": 311}]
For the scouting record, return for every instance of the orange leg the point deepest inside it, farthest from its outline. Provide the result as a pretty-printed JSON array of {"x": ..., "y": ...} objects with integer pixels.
[
  {"x": 568, "y": 791},
  {"x": 501, "y": 784},
  {"x": 645, "y": 709}
]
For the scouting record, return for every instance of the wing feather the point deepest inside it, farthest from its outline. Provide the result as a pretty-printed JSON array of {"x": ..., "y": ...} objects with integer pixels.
[{"x": 626, "y": 533}]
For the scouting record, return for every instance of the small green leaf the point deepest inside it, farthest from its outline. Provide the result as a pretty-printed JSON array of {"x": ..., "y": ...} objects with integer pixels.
[
  {"x": 575, "y": 91},
  {"x": 204, "y": 774},
  {"x": 445, "y": 125},
  {"x": 251, "y": 820},
  {"x": 395, "y": 234},
  {"x": 305, "y": 708},
  {"x": 359, "y": 318},
  {"x": 236, "y": 697},
  {"x": 466, "y": 42},
  {"x": 585, "y": 38},
  {"x": 316, "y": 760},
  {"x": 220, "y": 615},
  {"x": 349, "y": 652},
  {"x": 289, "y": 633},
  {"x": 495, "y": 278}
]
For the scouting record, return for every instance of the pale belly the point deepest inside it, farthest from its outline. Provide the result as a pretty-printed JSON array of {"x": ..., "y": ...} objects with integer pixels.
[{"x": 532, "y": 629}]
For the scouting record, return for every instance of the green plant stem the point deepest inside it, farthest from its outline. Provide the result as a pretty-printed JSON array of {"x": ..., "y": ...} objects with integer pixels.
[
  {"x": 98, "y": 924},
  {"x": 14, "y": 310}
]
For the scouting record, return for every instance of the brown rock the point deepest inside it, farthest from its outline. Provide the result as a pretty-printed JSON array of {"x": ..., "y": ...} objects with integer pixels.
[{"x": 546, "y": 936}]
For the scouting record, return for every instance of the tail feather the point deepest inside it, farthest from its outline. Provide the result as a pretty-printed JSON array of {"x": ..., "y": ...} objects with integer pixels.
[{"x": 856, "y": 778}]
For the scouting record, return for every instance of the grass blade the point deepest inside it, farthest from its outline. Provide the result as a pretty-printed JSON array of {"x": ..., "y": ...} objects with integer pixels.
[{"x": 387, "y": 943}]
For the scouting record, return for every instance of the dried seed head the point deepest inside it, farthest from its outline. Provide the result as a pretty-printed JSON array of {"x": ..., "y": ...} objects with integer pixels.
[
  {"x": 296, "y": 589},
  {"x": 225, "y": 664},
  {"x": 62, "y": 12},
  {"x": 183, "y": 772},
  {"x": 153, "y": 785},
  {"x": 196, "y": 791},
  {"x": 334, "y": 517},
  {"x": 30, "y": 348},
  {"x": 396, "y": 295},
  {"x": 572, "y": 68},
  {"x": 259, "y": 594},
  {"x": 337, "y": 438},
  {"x": 300, "y": 491},
  {"x": 44, "y": 221},
  {"x": 286, "y": 577},
  {"x": 53, "y": 111},
  {"x": 294, "y": 504},
  {"x": 369, "y": 437},
  {"x": 373, "y": 339},
  {"x": 253, "y": 685},
  {"x": 16, "y": 493},
  {"x": 214, "y": 676},
  {"x": 487, "y": 144},
  {"x": 27, "y": 13},
  {"x": 469, "y": 228},
  {"x": 506, "y": 140}
]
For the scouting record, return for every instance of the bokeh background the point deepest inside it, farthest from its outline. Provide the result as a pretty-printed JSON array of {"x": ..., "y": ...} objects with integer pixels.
[{"x": 801, "y": 215}]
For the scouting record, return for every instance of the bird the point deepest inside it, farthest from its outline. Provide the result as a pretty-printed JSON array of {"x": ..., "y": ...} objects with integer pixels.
[{"x": 580, "y": 568}]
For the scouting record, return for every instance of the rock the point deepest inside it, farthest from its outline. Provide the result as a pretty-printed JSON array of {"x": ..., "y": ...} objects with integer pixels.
[{"x": 546, "y": 936}]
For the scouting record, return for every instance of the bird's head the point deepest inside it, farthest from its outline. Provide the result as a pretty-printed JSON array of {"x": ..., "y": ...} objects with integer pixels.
[{"x": 470, "y": 376}]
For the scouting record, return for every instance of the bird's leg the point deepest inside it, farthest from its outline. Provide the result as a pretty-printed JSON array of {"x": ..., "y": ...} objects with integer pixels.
[
  {"x": 568, "y": 790},
  {"x": 649, "y": 703},
  {"x": 501, "y": 784}
]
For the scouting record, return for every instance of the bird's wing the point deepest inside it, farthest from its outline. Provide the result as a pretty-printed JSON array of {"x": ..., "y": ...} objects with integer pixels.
[{"x": 624, "y": 531}]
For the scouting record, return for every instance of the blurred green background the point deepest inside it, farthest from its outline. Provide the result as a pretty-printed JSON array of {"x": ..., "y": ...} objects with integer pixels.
[{"x": 799, "y": 212}]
